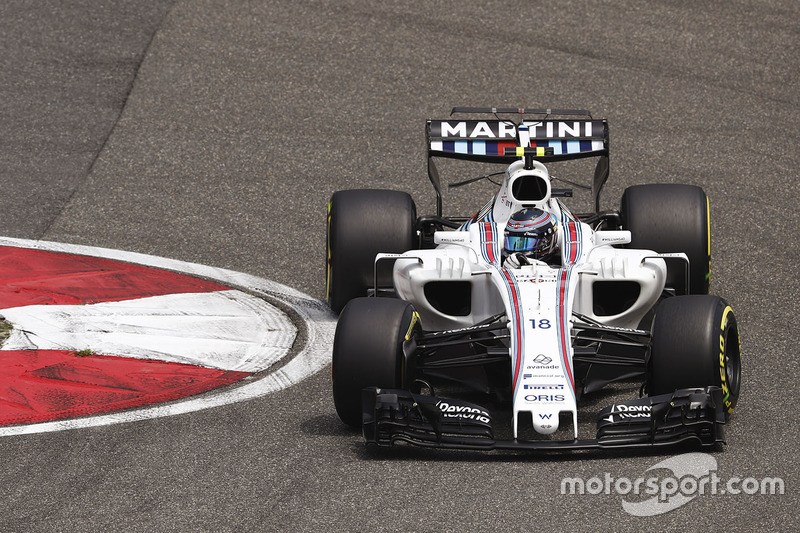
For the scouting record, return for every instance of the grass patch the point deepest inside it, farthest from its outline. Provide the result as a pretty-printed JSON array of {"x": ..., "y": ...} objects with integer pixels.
[
  {"x": 86, "y": 352},
  {"x": 5, "y": 330}
]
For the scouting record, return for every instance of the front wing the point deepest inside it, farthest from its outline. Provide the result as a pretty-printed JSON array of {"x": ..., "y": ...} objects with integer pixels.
[{"x": 393, "y": 416}]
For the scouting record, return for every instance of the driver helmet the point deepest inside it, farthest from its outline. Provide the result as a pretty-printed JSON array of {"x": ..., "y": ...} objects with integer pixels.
[{"x": 532, "y": 231}]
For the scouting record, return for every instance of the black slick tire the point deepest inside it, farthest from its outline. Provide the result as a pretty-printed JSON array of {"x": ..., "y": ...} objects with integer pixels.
[
  {"x": 361, "y": 224},
  {"x": 695, "y": 344},
  {"x": 669, "y": 218},
  {"x": 368, "y": 350}
]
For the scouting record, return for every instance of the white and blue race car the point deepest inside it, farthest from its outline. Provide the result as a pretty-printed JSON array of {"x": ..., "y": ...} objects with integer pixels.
[{"x": 491, "y": 331}]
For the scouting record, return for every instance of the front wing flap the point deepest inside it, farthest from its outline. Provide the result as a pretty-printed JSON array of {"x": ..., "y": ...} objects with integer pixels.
[{"x": 392, "y": 416}]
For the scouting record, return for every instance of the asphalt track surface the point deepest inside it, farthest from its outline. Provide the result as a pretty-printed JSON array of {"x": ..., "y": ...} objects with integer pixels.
[{"x": 215, "y": 132}]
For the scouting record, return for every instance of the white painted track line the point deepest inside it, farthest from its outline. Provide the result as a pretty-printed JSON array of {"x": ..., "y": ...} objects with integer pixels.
[{"x": 230, "y": 330}]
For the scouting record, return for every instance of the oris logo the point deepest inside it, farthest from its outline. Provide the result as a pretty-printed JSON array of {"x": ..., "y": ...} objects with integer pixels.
[{"x": 534, "y": 398}]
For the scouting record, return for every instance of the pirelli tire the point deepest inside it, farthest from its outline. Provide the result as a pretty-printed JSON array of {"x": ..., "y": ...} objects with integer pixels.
[
  {"x": 668, "y": 218},
  {"x": 369, "y": 346},
  {"x": 695, "y": 343},
  {"x": 361, "y": 224}
]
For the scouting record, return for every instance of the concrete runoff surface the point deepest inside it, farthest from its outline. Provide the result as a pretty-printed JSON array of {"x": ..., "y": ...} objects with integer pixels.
[{"x": 215, "y": 132}]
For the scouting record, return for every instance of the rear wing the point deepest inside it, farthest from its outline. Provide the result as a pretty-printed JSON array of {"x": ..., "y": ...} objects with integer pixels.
[{"x": 553, "y": 135}]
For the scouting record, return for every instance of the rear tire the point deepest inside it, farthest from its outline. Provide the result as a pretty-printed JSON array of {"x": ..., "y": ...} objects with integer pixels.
[
  {"x": 368, "y": 351},
  {"x": 672, "y": 218},
  {"x": 695, "y": 344},
  {"x": 361, "y": 224}
]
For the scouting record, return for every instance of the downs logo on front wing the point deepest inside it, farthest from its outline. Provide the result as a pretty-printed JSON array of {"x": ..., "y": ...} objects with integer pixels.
[
  {"x": 458, "y": 412},
  {"x": 628, "y": 412}
]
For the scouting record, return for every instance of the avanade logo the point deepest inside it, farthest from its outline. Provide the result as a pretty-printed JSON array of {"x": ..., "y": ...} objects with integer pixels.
[{"x": 670, "y": 484}]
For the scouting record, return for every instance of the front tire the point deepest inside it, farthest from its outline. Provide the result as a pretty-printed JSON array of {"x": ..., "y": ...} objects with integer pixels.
[
  {"x": 368, "y": 351},
  {"x": 669, "y": 218},
  {"x": 695, "y": 344}
]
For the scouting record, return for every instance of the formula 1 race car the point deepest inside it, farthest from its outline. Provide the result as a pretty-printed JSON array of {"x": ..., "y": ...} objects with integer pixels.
[{"x": 526, "y": 307}]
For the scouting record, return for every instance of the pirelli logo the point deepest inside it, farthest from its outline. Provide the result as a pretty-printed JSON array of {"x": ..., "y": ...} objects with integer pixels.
[{"x": 500, "y": 129}]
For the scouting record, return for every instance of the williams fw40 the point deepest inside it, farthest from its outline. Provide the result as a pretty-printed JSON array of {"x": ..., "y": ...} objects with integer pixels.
[{"x": 497, "y": 330}]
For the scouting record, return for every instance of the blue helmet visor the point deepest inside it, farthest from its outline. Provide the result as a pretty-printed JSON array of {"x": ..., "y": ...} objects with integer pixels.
[{"x": 522, "y": 243}]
